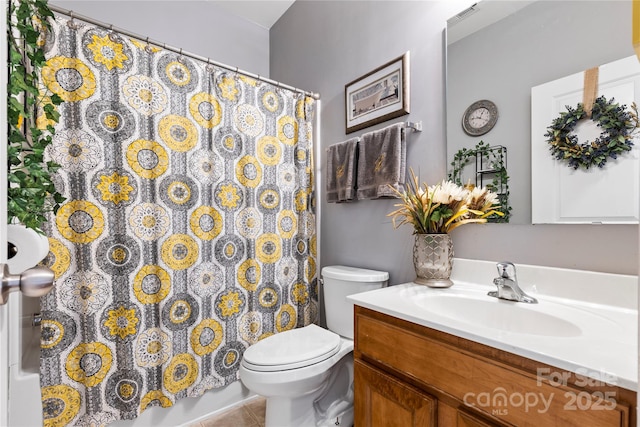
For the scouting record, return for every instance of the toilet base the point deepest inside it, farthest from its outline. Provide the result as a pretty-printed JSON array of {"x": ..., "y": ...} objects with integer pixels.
[{"x": 327, "y": 406}]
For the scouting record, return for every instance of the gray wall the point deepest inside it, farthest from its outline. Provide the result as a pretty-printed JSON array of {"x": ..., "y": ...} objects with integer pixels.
[
  {"x": 199, "y": 27},
  {"x": 540, "y": 43},
  {"x": 320, "y": 46}
]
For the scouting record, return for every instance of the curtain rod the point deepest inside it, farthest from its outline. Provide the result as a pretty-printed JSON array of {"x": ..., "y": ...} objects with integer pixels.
[{"x": 147, "y": 40}]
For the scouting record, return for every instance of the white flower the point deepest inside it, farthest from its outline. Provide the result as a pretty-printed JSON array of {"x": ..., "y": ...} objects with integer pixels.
[
  {"x": 145, "y": 95},
  {"x": 153, "y": 348},
  {"x": 149, "y": 221},
  {"x": 84, "y": 292},
  {"x": 481, "y": 199},
  {"x": 75, "y": 150},
  {"x": 447, "y": 192}
]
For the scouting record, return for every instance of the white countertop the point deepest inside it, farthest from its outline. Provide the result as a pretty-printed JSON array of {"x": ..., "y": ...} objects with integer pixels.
[{"x": 604, "y": 346}]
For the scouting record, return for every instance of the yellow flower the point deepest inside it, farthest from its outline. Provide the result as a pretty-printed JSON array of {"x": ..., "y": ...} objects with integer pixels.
[
  {"x": 249, "y": 274},
  {"x": 181, "y": 373},
  {"x": 230, "y": 304},
  {"x": 310, "y": 267},
  {"x": 287, "y": 224},
  {"x": 147, "y": 158},
  {"x": 114, "y": 188},
  {"x": 89, "y": 363},
  {"x": 206, "y": 337},
  {"x": 228, "y": 88},
  {"x": 153, "y": 274},
  {"x": 268, "y": 248},
  {"x": 269, "y": 151},
  {"x": 59, "y": 258},
  {"x": 249, "y": 171},
  {"x": 288, "y": 130},
  {"x": 228, "y": 196},
  {"x": 205, "y": 109},
  {"x": 80, "y": 221},
  {"x": 157, "y": 396},
  {"x": 179, "y": 251},
  {"x": 107, "y": 52},
  {"x": 178, "y": 132},
  {"x": 286, "y": 318},
  {"x": 270, "y": 101},
  {"x": 206, "y": 222},
  {"x": 301, "y": 200},
  {"x": 122, "y": 322},
  {"x": 177, "y": 73},
  {"x": 69, "y": 78},
  {"x": 300, "y": 293},
  {"x": 60, "y": 405}
]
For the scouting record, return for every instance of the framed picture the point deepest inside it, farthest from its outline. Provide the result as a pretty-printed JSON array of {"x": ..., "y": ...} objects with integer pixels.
[{"x": 379, "y": 95}]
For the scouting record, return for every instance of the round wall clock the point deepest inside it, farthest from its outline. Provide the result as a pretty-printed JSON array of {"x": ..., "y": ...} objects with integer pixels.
[{"x": 480, "y": 118}]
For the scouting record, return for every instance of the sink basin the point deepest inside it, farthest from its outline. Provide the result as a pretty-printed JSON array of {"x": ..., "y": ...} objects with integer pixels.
[{"x": 508, "y": 316}]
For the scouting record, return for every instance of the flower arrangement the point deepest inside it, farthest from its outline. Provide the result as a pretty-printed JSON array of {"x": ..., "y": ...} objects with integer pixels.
[{"x": 439, "y": 209}]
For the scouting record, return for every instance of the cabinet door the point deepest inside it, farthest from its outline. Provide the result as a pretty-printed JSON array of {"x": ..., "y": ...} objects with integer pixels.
[
  {"x": 383, "y": 401},
  {"x": 467, "y": 420}
]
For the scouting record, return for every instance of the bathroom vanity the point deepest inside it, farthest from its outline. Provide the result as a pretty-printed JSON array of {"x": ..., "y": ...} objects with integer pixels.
[{"x": 454, "y": 364}]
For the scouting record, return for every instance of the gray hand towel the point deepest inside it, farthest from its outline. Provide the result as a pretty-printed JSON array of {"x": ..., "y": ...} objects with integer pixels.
[
  {"x": 382, "y": 162},
  {"x": 341, "y": 171}
]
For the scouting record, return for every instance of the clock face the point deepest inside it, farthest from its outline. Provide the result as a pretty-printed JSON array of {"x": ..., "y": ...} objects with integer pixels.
[{"x": 480, "y": 118}]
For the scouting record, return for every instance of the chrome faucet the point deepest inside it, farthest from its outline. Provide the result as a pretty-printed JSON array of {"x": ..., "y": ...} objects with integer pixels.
[{"x": 507, "y": 285}]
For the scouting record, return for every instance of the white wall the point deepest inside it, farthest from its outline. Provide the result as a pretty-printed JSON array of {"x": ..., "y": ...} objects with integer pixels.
[{"x": 321, "y": 45}]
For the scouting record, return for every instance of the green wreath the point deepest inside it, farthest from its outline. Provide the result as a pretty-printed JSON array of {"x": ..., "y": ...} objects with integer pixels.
[{"x": 618, "y": 128}]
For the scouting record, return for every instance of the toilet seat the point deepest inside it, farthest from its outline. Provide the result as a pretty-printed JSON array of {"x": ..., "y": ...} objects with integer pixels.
[{"x": 292, "y": 349}]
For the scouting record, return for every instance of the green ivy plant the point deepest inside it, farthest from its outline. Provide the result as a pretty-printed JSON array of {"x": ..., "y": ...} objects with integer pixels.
[
  {"x": 31, "y": 115},
  {"x": 500, "y": 181}
]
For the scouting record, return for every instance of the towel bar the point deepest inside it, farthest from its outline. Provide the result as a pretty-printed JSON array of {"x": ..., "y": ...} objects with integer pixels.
[{"x": 416, "y": 126}]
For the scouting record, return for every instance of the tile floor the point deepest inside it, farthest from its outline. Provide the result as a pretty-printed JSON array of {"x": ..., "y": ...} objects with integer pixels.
[{"x": 249, "y": 414}]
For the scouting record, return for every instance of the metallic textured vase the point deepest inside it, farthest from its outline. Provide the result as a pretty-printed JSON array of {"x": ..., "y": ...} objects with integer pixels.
[{"x": 433, "y": 259}]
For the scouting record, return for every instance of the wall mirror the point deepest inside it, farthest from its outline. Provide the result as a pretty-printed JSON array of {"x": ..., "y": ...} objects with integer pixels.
[{"x": 498, "y": 50}]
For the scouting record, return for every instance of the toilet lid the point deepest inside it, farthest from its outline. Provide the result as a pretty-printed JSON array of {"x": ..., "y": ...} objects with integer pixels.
[{"x": 292, "y": 349}]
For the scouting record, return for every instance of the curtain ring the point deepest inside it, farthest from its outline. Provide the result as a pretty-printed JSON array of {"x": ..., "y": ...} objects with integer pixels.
[
  {"x": 71, "y": 23},
  {"x": 209, "y": 67},
  {"x": 180, "y": 58},
  {"x": 111, "y": 33},
  {"x": 148, "y": 47}
]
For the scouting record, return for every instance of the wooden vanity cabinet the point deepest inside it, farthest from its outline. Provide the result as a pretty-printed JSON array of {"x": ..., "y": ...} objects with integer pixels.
[{"x": 409, "y": 375}]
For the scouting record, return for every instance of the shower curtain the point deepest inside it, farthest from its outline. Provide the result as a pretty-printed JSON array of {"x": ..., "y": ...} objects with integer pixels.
[{"x": 186, "y": 235}]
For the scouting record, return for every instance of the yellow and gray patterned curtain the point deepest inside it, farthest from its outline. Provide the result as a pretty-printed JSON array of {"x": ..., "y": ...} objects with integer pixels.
[{"x": 186, "y": 235}]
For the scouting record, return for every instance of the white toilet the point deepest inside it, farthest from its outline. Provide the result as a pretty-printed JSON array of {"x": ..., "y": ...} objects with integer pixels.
[{"x": 306, "y": 374}]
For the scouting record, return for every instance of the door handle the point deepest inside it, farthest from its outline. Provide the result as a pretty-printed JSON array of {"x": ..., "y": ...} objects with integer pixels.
[{"x": 34, "y": 282}]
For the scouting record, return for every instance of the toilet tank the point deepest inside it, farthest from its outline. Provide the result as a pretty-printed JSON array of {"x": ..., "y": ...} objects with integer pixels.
[{"x": 341, "y": 281}]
